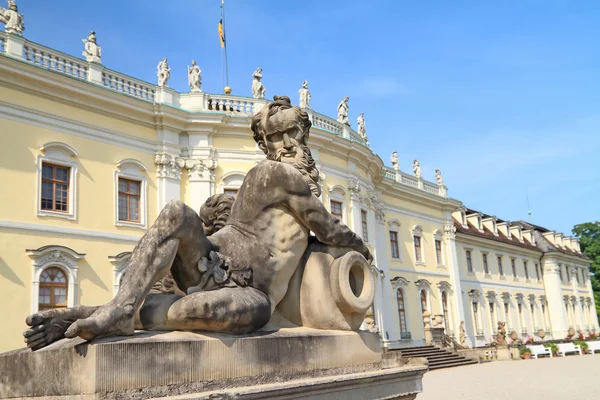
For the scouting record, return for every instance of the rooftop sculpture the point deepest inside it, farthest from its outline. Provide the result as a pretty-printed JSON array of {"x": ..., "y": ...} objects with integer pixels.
[
  {"x": 163, "y": 72},
  {"x": 258, "y": 89},
  {"x": 13, "y": 20},
  {"x": 194, "y": 77},
  {"x": 305, "y": 95},
  {"x": 92, "y": 52},
  {"x": 259, "y": 264},
  {"x": 342, "y": 111}
]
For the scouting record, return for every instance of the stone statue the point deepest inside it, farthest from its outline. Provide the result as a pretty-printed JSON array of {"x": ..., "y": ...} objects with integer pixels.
[
  {"x": 501, "y": 336},
  {"x": 360, "y": 123},
  {"x": 258, "y": 89},
  {"x": 194, "y": 78},
  {"x": 163, "y": 72},
  {"x": 394, "y": 160},
  {"x": 342, "y": 111},
  {"x": 234, "y": 281},
  {"x": 417, "y": 169},
  {"x": 438, "y": 177},
  {"x": 462, "y": 338},
  {"x": 92, "y": 52},
  {"x": 13, "y": 20},
  {"x": 304, "y": 95}
]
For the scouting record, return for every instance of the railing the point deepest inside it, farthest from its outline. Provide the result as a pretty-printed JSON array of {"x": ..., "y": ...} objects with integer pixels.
[
  {"x": 390, "y": 173},
  {"x": 450, "y": 342},
  {"x": 240, "y": 105},
  {"x": 409, "y": 180},
  {"x": 326, "y": 123},
  {"x": 431, "y": 187},
  {"x": 128, "y": 85},
  {"x": 2, "y": 42},
  {"x": 405, "y": 336},
  {"x": 356, "y": 137},
  {"x": 54, "y": 61}
]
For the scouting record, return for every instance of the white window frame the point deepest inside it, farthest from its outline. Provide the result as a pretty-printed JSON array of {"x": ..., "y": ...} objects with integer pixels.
[
  {"x": 402, "y": 284},
  {"x": 232, "y": 181},
  {"x": 338, "y": 193},
  {"x": 487, "y": 274},
  {"x": 417, "y": 230},
  {"x": 438, "y": 235},
  {"x": 394, "y": 226},
  {"x": 61, "y": 154},
  {"x": 54, "y": 256},
  {"x": 120, "y": 263},
  {"x": 469, "y": 250},
  {"x": 136, "y": 171}
]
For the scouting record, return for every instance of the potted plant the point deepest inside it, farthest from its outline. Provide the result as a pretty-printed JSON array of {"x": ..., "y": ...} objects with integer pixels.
[
  {"x": 525, "y": 352},
  {"x": 553, "y": 348},
  {"x": 583, "y": 345}
]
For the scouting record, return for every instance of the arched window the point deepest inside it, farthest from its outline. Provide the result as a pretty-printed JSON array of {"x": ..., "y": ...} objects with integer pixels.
[
  {"x": 53, "y": 289},
  {"x": 401, "y": 311},
  {"x": 423, "y": 300},
  {"x": 445, "y": 311}
]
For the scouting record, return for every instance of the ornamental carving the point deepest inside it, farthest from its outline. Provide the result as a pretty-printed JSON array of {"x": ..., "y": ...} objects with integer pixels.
[
  {"x": 449, "y": 230},
  {"x": 354, "y": 188},
  {"x": 167, "y": 166}
]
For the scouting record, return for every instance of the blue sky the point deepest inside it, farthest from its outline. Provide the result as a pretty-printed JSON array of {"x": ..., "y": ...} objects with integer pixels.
[{"x": 502, "y": 96}]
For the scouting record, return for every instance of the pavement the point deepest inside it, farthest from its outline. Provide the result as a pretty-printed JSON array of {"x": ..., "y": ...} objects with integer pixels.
[{"x": 564, "y": 378}]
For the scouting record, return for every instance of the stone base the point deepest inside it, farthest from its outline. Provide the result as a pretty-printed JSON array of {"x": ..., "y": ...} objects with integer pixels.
[{"x": 156, "y": 364}]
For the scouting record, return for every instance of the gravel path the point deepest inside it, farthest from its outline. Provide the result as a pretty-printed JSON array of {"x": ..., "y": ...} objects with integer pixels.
[{"x": 565, "y": 378}]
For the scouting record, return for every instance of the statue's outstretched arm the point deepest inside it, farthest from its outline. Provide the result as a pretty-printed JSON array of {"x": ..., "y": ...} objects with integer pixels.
[{"x": 326, "y": 227}]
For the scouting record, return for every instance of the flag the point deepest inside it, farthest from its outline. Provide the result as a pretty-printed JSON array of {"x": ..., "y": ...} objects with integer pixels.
[{"x": 221, "y": 34}]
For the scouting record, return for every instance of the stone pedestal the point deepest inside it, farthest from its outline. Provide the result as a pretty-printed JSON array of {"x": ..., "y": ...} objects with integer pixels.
[{"x": 290, "y": 363}]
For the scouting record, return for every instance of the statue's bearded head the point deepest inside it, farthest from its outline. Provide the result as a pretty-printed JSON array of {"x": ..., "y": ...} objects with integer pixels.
[{"x": 281, "y": 131}]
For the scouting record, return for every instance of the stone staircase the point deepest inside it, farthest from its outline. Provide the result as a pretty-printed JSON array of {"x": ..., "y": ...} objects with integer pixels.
[{"x": 438, "y": 358}]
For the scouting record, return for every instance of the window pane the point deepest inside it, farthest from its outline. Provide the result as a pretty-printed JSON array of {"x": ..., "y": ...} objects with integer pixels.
[
  {"x": 44, "y": 295},
  {"x": 47, "y": 189},
  {"x": 134, "y": 187},
  {"x": 122, "y": 207},
  {"x": 62, "y": 174},
  {"x": 47, "y": 171},
  {"x": 134, "y": 208},
  {"x": 60, "y": 295},
  {"x": 122, "y": 185}
]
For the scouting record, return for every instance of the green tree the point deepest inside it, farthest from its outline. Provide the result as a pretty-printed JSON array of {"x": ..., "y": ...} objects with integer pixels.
[{"x": 589, "y": 240}]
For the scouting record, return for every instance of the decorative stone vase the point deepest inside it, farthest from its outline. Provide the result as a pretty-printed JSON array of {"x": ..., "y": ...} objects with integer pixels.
[
  {"x": 514, "y": 335},
  {"x": 571, "y": 332},
  {"x": 526, "y": 356},
  {"x": 542, "y": 334},
  {"x": 439, "y": 319}
]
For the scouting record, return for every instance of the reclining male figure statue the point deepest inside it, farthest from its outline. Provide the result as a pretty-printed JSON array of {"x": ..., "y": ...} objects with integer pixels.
[{"x": 258, "y": 249}]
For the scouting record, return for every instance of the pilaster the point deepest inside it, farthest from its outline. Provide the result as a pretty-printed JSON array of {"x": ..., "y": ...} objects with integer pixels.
[
  {"x": 168, "y": 172},
  {"x": 355, "y": 206},
  {"x": 556, "y": 308},
  {"x": 201, "y": 177}
]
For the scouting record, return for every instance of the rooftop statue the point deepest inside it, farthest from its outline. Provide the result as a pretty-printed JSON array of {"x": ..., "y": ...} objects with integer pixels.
[
  {"x": 242, "y": 262},
  {"x": 92, "y": 52},
  {"x": 13, "y": 20},
  {"x": 360, "y": 123},
  {"x": 304, "y": 95},
  {"x": 417, "y": 169},
  {"x": 438, "y": 177},
  {"x": 163, "y": 72},
  {"x": 394, "y": 160},
  {"x": 342, "y": 111},
  {"x": 194, "y": 78},
  {"x": 258, "y": 89}
]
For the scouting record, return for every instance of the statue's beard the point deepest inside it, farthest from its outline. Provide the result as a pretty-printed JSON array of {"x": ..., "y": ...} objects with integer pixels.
[{"x": 304, "y": 163}]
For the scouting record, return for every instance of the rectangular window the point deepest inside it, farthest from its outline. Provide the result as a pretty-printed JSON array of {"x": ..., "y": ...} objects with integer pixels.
[
  {"x": 506, "y": 315},
  {"x": 568, "y": 274},
  {"x": 537, "y": 272},
  {"x": 418, "y": 255},
  {"x": 500, "y": 269},
  {"x": 492, "y": 316},
  {"x": 560, "y": 274},
  {"x": 365, "y": 227},
  {"x": 476, "y": 318},
  {"x": 336, "y": 208},
  {"x": 55, "y": 187},
  {"x": 514, "y": 267},
  {"x": 577, "y": 276},
  {"x": 394, "y": 244},
  {"x": 469, "y": 261},
  {"x": 129, "y": 200},
  {"x": 526, "y": 270},
  {"x": 438, "y": 251},
  {"x": 485, "y": 264}
]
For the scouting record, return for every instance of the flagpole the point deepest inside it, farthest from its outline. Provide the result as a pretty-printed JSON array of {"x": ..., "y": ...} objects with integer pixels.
[{"x": 227, "y": 88}]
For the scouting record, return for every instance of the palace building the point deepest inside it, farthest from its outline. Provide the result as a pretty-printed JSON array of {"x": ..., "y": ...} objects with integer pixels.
[{"x": 90, "y": 156}]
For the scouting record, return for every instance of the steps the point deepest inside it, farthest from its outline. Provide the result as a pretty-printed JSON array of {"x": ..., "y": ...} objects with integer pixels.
[{"x": 438, "y": 358}]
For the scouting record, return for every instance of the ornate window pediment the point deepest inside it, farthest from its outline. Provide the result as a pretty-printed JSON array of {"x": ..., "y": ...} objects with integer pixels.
[
  {"x": 399, "y": 281},
  {"x": 444, "y": 286},
  {"x": 474, "y": 294},
  {"x": 423, "y": 284},
  {"x": 491, "y": 295},
  {"x": 60, "y": 257},
  {"x": 506, "y": 296},
  {"x": 120, "y": 263}
]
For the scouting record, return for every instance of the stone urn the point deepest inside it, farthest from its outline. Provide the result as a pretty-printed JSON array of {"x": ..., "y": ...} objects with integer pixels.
[
  {"x": 439, "y": 320},
  {"x": 571, "y": 332},
  {"x": 514, "y": 335}
]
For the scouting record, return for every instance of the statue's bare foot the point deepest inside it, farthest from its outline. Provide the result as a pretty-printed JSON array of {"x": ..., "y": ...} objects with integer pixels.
[
  {"x": 50, "y": 325},
  {"x": 108, "y": 320}
]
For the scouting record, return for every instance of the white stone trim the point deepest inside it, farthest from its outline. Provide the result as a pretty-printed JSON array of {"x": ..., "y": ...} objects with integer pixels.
[
  {"x": 340, "y": 194},
  {"x": 58, "y": 153},
  {"x": 120, "y": 263},
  {"x": 420, "y": 272},
  {"x": 394, "y": 226},
  {"x": 417, "y": 230},
  {"x": 438, "y": 234},
  {"x": 80, "y": 233},
  {"x": 133, "y": 170},
  {"x": 54, "y": 256},
  {"x": 231, "y": 181}
]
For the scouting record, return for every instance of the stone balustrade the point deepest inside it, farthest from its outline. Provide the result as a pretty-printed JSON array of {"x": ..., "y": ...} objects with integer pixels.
[
  {"x": 47, "y": 58},
  {"x": 127, "y": 85},
  {"x": 410, "y": 180},
  {"x": 2, "y": 42}
]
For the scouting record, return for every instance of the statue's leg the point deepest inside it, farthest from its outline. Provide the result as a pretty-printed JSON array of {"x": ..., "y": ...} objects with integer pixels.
[
  {"x": 176, "y": 232},
  {"x": 231, "y": 310}
]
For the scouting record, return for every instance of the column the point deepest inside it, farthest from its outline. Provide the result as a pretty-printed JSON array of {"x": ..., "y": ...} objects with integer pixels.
[
  {"x": 168, "y": 173},
  {"x": 593, "y": 316},
  {"x": 556, "y": 307},
  {"x": 388, "y": 331},
  {"x": 579, "y": 322},
  {"x": 201, "y": 177},
  {"x": 454, "y": 270},
  {"x": 355, "y": 207}
]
